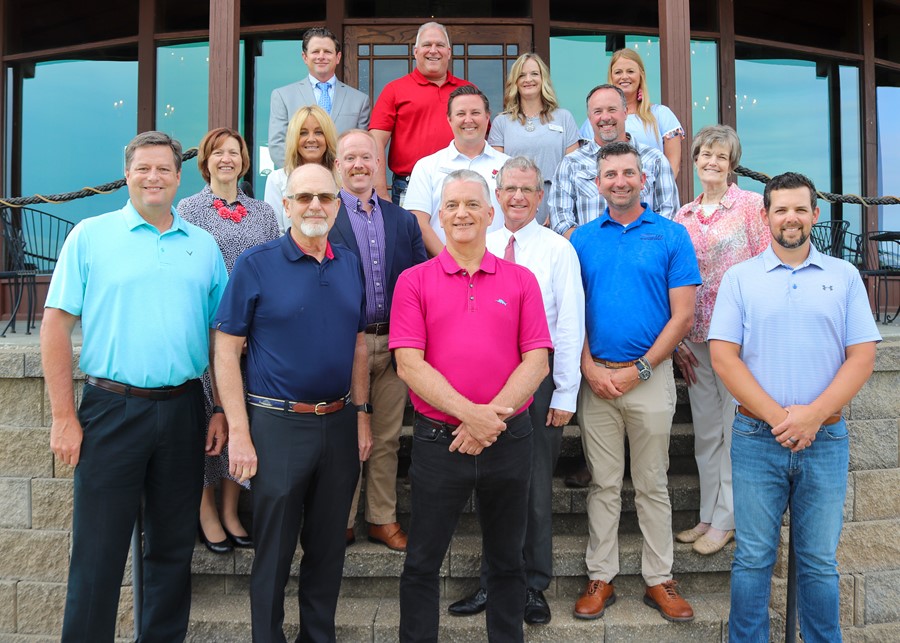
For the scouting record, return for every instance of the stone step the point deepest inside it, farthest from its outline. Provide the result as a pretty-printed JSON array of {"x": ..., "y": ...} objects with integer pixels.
[{"x": 226, "y": 619}]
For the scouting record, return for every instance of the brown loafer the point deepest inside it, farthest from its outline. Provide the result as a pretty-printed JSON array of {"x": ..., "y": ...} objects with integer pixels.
[
  {"x": 580, "y": 479},
  {"x": 390, "y": 535},
  {"x": 665, "y": 598},
  {"x": 595, "y": 599}
]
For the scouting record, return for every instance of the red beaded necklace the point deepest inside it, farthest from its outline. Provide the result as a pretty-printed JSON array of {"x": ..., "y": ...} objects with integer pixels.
[{"x": 238, "y": 213}]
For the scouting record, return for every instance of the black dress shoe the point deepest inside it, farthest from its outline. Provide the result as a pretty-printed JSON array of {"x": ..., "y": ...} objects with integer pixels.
[
  {"x": 244, "y": 542},
  {"x": 579, "y": 479},
  {"x": 537, "y": 612},
  {"x": 221, "y": 547},
  {"x": 470, "y": 605}
]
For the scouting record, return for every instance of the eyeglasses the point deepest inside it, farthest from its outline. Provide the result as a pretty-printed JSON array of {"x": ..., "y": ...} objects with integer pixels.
[
  {"x": 305, "y": 198},
  {"x": 512, "y": 189}
]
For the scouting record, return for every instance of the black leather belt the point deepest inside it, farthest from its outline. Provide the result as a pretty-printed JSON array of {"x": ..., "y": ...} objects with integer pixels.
[
  {"x": 161, "y": 393},
  {"x": 378, "y": 328}
]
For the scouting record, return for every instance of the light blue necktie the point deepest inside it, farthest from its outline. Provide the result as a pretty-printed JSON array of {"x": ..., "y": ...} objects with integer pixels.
[{"x": 324, "y": 98}]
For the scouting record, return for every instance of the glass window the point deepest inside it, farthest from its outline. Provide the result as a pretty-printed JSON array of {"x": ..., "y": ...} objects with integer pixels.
[
  {"x": 835, "y": 28},
  {"x": 704, "y": 15},
  {"x": 182, "y": 15},
  {"x": 886, "y": 25},
  {"x": 456, "y": 9},
  {"x": 888, "y": 102},
  {"x": 784, "y": 116},
  {"x": 636, "y": 13},
  {"x": 182, "y": 101},
  {"x": 86, "y": 147},
  {"x": 275, "y": 12},
  {"x": 704, "y": 92},
  {"x": 33, "y": 26}
]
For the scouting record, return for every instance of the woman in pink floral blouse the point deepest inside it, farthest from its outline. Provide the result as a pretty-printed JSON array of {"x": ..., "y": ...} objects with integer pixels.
[{"x": 726, "y": 226}]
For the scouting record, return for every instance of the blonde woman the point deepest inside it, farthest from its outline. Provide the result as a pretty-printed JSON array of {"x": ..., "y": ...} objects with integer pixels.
[{"x": 311, "y": 138}]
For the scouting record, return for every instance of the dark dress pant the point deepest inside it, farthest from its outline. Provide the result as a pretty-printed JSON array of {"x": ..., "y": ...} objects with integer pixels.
[
  {"x": 135, "y": 447},
  {"x": 442, "y": 483},
  {"x": 307, "y": 472},
  {"x": 547, "y": 442}
]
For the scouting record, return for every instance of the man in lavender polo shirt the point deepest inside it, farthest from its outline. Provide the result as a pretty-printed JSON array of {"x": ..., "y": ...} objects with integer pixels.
[
  {"x": 387, "y": 241},
  {"x": 471, "y": 340}
]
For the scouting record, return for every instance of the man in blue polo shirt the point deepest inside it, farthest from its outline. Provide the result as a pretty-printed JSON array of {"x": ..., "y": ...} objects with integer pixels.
[
  {"x": 639, "y": 266},
  {"x": 145, "y": 285},
  {"x": 299, "y": 303},
  {"x": 793, "y": 339}
]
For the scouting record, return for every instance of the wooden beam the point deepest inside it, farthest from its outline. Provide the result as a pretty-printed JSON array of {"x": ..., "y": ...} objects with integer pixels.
[
  {"x": 540, "y": 14},
  {"x": 869, "y": 111},
  {"x": 675, "y": 71},
  {"x": 146, "y": 113},
  {"x": 727, "y": 82},
  {"x": 334, "y": 21},
  {"x": 224, "y": 73}
]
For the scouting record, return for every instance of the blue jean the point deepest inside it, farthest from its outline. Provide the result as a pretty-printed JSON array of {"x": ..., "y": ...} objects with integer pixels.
[
  {"x": 442, "y": 483},
  {"x": 767, "y": 479},
  {"x": 398, "y": 190}
]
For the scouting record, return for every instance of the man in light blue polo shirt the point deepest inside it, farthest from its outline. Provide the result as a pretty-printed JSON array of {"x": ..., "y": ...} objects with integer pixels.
[
  {"x": 640, "y": 276},
  {"x": 793, "y": 339},
  {"x": 146, "y": 286}
]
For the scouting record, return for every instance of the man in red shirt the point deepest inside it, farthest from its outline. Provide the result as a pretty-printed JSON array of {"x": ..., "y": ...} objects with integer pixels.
[
  {"x": 410, "y": 113},
  {"x": 470, "y": 337}
]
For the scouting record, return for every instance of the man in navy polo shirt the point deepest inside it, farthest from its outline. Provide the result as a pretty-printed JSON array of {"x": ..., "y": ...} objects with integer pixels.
[
  {"x": 299, "y": 303},
  {"x": 639, "y": 266}
]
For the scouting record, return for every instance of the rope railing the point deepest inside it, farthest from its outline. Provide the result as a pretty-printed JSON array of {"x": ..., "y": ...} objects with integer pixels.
[
  {"x": 106, "y": 188},
  {"x": 109, "y": 188}
]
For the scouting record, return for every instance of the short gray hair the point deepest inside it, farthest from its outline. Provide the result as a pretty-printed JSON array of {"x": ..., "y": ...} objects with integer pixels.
[
  {"x": 467, "y": 176},
  {"x": 433, "y": 25},
  {"x": 146, "y": 139},
  {"x": 524, "y": 163},
  {"x": 718, "y": 135}
]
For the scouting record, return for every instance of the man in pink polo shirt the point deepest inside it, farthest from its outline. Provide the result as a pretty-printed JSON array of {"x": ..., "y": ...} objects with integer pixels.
[
  {"x": 470, "y": 338},
  {"x": 410, "y": 112}
]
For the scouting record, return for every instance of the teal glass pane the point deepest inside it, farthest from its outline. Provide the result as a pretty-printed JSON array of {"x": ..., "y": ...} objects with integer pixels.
[
  {"x": 391, "y": 50},
  {"x": 77, "y": 118},
  {"x": 851, "y": 144},
  {"x": 485, "y": 50},
  {"x": 280, "y": 64},
  {"x": 704, "y": 92},
  {"x": 363, "y": 50},
  {"x": 488, "y": 76},
  {"x": 888, "y": 102},
  {"x": 387, "y": 70},
  {"x": 512, "y": 50},
  {"x": 783, "y": 121}
]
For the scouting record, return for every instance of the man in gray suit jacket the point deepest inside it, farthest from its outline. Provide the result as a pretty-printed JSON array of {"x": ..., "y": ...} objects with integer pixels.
[{"x": 349, "y": 108}]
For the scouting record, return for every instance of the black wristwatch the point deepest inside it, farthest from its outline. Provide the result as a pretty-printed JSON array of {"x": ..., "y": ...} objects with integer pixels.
[
  {"x": 644, "y": 369},
  {"x": 365, "y": 408},
  {"x": 218, "y": 409}
]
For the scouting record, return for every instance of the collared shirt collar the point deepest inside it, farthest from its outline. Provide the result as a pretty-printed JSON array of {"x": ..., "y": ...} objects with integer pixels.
[
  {"x": 448, "y": 263},
  {"x": 420, "y": 78},
  {"x": 524, "y": 234},
  {"x": 771, "y": 260},
  {"x": 351, "y": 201},
  {"x": 294, "y": 252},
  {"x": 455, "y": 153},
  {"x": 133, "y": 219},
  {"x": 331, "y": 81},
  {"x": 642, "y": 218},
  {"x": 726, "y": 202}
]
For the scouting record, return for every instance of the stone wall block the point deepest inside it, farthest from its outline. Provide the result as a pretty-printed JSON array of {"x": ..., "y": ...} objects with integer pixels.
[
  {"x": 870, "y": 546},
  {"x": 873, "y": 444},
  {"x": 877, "y": 495},
  {"x": 25, "y": 453},
  {"x": 883, "y": 597},
  {"x": 23, "y": 402},
  {"x": 15, "y": 503},
  {"x": 40, "y": 607},
  {"x": 32, "y": 555},
  {"x": 12, "y": 363},
  {"x": 878, "y": 398},
  {"x": 51, "y": 504},
  {"x": 7, "y": 606}
]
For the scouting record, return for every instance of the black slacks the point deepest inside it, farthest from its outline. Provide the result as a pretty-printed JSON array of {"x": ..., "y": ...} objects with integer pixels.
[
  {"x": 133, "y": 447},
  {"x": 307, "y": 472}
]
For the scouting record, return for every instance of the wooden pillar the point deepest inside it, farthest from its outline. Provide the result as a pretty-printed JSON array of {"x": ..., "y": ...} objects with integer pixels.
[
  {"x": 334, "y": 21},
  {"x": 540, "y": 15},
  {"x": 869, "y": 110},
  {"x": 224, "y": 73},
  {"x": 727, "y": 82},
  {"x": 146, "y": 113},
  {"x": 675, "y": 70}
]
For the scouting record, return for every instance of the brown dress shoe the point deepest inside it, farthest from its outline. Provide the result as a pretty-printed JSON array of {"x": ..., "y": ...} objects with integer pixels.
[
  {"x": 390, "y": 535},
  {"x": 580, "y": 479},
  {"x": 593, "y": 602},
  {"x": 665, "y": 598},
  {"x": 350, "y": 536}
]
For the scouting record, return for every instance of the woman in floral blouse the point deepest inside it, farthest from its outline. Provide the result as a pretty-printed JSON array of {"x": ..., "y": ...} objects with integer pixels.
[
  {"x": 726, "y": 227},
  {"x": 237, "y": 223}
]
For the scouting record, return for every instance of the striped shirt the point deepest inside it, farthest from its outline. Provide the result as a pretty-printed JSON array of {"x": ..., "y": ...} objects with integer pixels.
[{"x": 368, "y": 228}]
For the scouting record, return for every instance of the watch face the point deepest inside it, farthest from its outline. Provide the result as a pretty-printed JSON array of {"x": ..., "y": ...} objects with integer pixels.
[{"x": 644, "y": 374}]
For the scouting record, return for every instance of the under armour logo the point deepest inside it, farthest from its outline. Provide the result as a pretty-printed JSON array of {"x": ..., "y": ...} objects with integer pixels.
[
  {"x": 824, "y": 287},
  {"x": 500, "y": 301},
  {"x": 190, "y": 252}
]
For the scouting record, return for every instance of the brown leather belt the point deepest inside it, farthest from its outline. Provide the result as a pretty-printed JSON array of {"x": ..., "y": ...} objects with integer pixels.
[
  {"x": 378, "y": 328},
  {"x": 609, "y": 364},
  {"x": 162, "y": 393},
  {"x": 743, "y": 410},
  {"x": 319, "y": 408}
]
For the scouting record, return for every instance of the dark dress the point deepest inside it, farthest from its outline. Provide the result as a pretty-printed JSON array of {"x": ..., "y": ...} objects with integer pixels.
[{"x": 258, "y": 226}]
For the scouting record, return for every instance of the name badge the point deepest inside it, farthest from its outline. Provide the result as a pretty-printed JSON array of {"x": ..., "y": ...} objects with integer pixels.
[{"x": 556, "y": 128}]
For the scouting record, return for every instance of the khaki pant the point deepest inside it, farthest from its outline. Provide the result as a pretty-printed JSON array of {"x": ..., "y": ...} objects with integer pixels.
[
  {"x": 387, "y": 393},
  {"x": 644, "y": 414}
]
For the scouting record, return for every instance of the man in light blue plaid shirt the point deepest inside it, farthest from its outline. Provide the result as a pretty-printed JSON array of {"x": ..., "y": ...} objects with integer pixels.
[{"x": 574, "y": 198}]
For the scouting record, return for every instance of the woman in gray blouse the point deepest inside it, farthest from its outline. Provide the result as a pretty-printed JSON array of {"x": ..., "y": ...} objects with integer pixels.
[{"x": 532, "y": 123}]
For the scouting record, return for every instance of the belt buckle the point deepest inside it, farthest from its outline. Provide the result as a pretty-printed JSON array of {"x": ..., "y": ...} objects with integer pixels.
[{"x": 316, "y": 410}]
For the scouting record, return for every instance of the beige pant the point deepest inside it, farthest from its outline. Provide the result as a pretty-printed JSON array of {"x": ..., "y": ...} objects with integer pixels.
[
  {"x": 387, "y": 393},
  {"x": 712, "y": 408},
  {"x": 644, "y": 414}
]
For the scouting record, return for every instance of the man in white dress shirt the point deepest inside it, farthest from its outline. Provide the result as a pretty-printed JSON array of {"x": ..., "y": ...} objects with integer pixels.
[
  {"x": 348, "y": 107},
  {"x": 555, "y": 264},
  {"x": 469, "y": 114}
]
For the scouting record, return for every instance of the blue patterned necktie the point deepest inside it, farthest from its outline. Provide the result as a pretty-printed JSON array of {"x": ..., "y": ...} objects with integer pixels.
[{"x": 324, "y": 98}]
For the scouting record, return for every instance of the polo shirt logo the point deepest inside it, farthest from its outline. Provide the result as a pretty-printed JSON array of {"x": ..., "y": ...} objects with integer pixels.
[
  {"x": 500, "y": 301},
  {"x": 824, "y": 287},
  {"x": 650, "y": 237}
]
